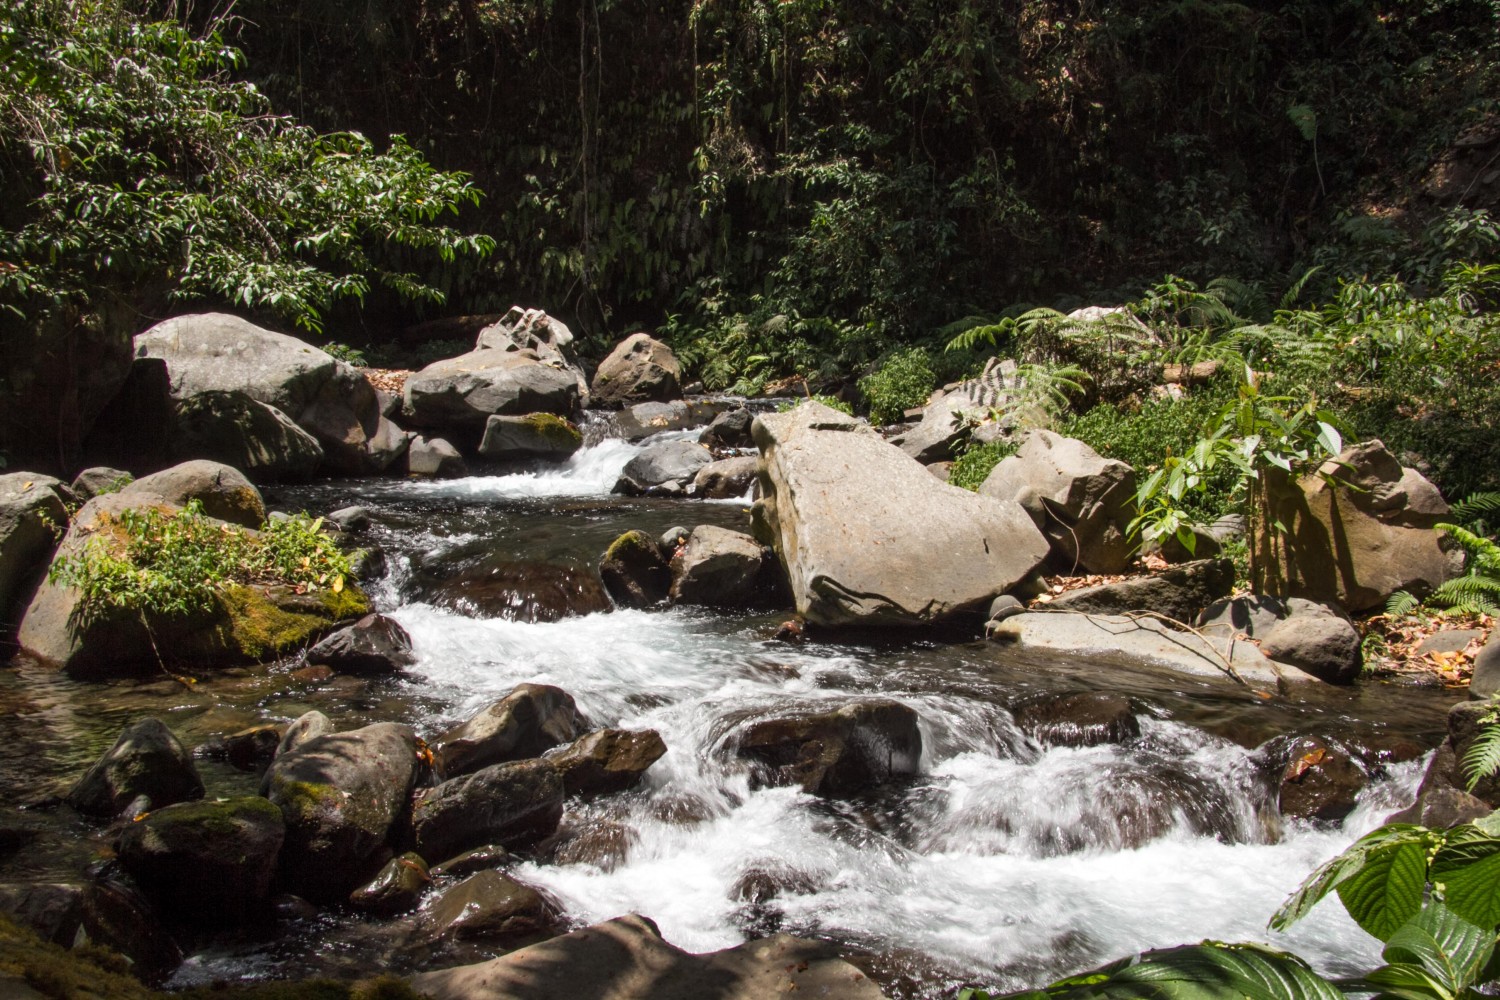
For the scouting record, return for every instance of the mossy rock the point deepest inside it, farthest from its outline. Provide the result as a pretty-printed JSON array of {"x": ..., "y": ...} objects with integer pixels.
[{"x": 534, "y": 435}]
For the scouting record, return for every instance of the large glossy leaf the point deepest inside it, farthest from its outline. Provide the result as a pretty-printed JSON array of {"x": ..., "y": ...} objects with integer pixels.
[
  {"x": 1468, "y": 871},
  {"x": 1449, "y": 948},
  {"x": 1387, "y": 890},
  {"x": 1338, "y": 870},
  {"x": 1206, "y": 971}
]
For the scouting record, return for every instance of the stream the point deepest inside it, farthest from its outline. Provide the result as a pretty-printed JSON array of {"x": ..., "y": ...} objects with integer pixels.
[{"x": 1002, "y": 863}]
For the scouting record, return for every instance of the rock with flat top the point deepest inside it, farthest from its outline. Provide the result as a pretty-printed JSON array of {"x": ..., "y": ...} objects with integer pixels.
[
  {"x": 1181, "y": 592},
  {"x": 639, "y": 369}
]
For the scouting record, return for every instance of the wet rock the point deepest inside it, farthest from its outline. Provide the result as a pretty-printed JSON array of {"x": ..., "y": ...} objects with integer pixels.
[
  {"x": 250, "y": 748},
  {"x": 397, "y": 889},
  {"x": 527, "y": 592},
  {"x": 625, "y": 959},
  {"x": 99, "y": 480},
  {"x": 867, "y": 536},
  {"x": 434, "y": 458},
  {"x": 1081, "y": 501},
  {"x": 603, "y": 844},
  {"x": 367, "y": 563},
  {"x": 1180, "y": 593},
  {"x": 640, "y": 369},
  {"x": 478, "y": 860},
  {"x": 246, "y": 434},
  {"x": 374, "y": 646},
  {"x": 32, "y": 519},
  {"x": 534, "y": 435},
  {"x": 511, "y": 804},
  {"x": 352, "y": 519},
  {"x": 1315, "y": 780},
  {"x": 607, "y": 760},
  {"x": 491, "y": 906},
  {"x": 208, "y": 861},
  {"x": 717, "y": 567},
  {"x": 1466, "y": 721},
  {"x": 146, "y": 760},
  {"x": 308, "y": 726},
  {"x": 666, "y": 468},
  {"x": 341, "y": 795},
  {"x": 635, "y": 423},
  {"x": 1325, "y": 645},
  {"x": 527, "y": 722},
  {"x": 726, "y": 478},
  {"x": 849, "y": 750},
  {"x": 730, "y": 429},
  {"x": 634, "y": 572},
  {"x": 1085, "y": 719},
  {"x": 105, "y": 912},
  {"x": 758, "y": 891}
]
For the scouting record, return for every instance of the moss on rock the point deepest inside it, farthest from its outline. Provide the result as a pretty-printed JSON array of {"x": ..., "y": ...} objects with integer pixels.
[
  {"x": 261, "y": 622},
  {"x": 554, "y": 430}
]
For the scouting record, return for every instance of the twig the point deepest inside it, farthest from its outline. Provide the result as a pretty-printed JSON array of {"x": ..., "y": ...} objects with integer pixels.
[{"x": 1225, "y": 663}]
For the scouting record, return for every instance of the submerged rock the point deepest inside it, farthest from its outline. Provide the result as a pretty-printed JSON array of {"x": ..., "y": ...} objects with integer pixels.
[
  {"x": 848, "y": 750},
  {"x": 1085, "y": 719},
  {"x": 146, "y": 761},
  {"x": 527, "y": 592}
]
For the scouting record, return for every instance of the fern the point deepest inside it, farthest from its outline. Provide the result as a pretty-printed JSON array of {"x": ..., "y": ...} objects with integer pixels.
[
  {"x": 1483, "y": 756},
  {"x": 1476, "y": 595},
  {"x": 1475, "y": 506},
  {"x": 1484, "y": 554},
  {"x": 1402, "y": 602}
]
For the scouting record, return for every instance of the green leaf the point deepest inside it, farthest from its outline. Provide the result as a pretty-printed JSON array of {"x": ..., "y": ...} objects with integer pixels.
[
  {"x": 1468, "y": 870},
  {"x": 1334, "y": 872},
  {"x": 1207, "y": 971},
  {"x": 1387, "y": 890},
  {"x": 1331, "y": 440},
  {"x": 1449, "y": 949}
]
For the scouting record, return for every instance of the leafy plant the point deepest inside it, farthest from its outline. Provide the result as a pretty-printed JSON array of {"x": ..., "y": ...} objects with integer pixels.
[
  {"x": 1482, "y": 759},
  {"x": 903, "y": 381},
  {"x": 974, "y": 465},
  {"x": 1478, "y": 590},
  {"x": 349, "y": 355}
]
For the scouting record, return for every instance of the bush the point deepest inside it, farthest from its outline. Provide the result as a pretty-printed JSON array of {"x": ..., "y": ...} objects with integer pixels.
[
  {"x": 905, "y": 380},
  {"x": 975, "y": 464}
]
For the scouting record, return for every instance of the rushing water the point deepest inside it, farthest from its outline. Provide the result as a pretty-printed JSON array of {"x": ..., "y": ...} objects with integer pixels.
[{"x": 1002, "y": 863}]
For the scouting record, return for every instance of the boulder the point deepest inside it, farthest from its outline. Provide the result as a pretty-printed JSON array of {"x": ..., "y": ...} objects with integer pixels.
[
  {"x": 223, "y": 491},
  {"x": 371, "y": 647},
  {"x": 635, "y": 423},
  {"x": 246, "y": 434},
  {"x": 867, "y": 536},
  {"x": 396, "y": 889},
  {"x": 32, "y": 520},
  {"x": 534, "y": 435},
  {"x": 625, "y": 959},
  {"x": 604, "y": 844},
  {"x": 530, "y": 720},
  {"x": 146, "y": 761},
  {"x": 717, "y": 567},
  {"x": 1466, "y": 721},
  {"x": 341, "y": 795},
  {"x": 666, "y": 468},
  {"x": 1315, "y": 780},
  {"x": 208, "y": 861},
  {"x": 1253, "y": 615},
  {"x": 1085, "y": 719},
  {"x": 730, "y": 429},
  {"x": 249, "y": 749},
  {"x": 511, "y": 804},
  {"x": 327, "y": 398},
  {"x": 491, "y": 906},
  {"x": 523, "y": 330},
  {"x": 726, "y": 478},
  {"x": 98, "y": 480},
  {"x": 435, "y": 458},
  {"x": 478, "y": 860},
  {"x": 606, "y": 761},
  {"x": 1325, "y": 645},
  {"x": 1485, "y": 682},
  {"x": 952, "y": 413},
  {"x": 527, "y": 592},
  {"x": 307, "y": 726},
  {"x": 1361, "y": 538},
  {"x": 105, "y": 912},
  {"x": 1083, "y": 503},
  {"x": 353, "y": 519},
  {"x": 634, "y": 572},
  {"x": 837, "y": 753},
  {"x": 640, "y": 369},
  {"x": 1180, "y": 593}
]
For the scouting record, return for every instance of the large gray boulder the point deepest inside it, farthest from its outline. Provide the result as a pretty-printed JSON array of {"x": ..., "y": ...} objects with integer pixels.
[
  {"x": 434, "y": 457},
  {"x": 327, "y": 398},
  {"x": 341, "y": 795},
  {"x": 32, "y": 520},
  {"x": 1081, "y": 501},
  {"x": 1326, "y": 645},
  {"x": 512, "y": 804},
  {"x": 626, "y": 958},
  {"x": 716, "y": 567},
  {"x": 233, "y": 428},
  {"x": 527, "y": 722},
  {"x": 533, "y": 435},
  {"x": 666, "y": 468},
  {"x": 868, "y": 536},
  {"x": 640, "y": 369},
  {"x": 146, "y": 762}
]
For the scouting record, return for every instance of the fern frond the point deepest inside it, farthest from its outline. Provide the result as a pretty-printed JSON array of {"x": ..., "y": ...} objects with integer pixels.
[
  {"x": 1402, "y": 602},
  {"x": 985, "y": 334},
  {"x": 1482, "y": 759},
  {"x": 1476, "y": 505},
  {"x": 1484, "y": 555},
  {"x": 1294, "y": 291},
  {"x": 1475, "y": 594}
]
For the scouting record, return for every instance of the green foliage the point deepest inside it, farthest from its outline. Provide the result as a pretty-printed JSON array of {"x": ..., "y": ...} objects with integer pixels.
[
  {"x": 1482, "y": 759},
  {"x": 349, "y": 355},
  {"x": 974, "y": 466},
  {"x": 832, "y": 402},
  {"x": 151, "y": 563},
  {"x": 1478, "y": 590},
  {"x": 903, "y": 381}
]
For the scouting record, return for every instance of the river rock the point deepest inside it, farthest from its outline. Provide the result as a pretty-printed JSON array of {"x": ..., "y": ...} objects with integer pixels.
[
  {"x": 530, "y": 720},
  {"x": 478, "y": 860},
  {"x": 98, "y": 480},
  {"x": 106, "y": 912},
  {"x": 489, "y": 905},
  {"x": 1466, "y": 721},
  {"x": 246, "y": 434},
  {"x": 1325, "y": 645},
  {"x": 846, "y": 751},
  {"x": 635, "y": 423},
  {"x": 1315, "y": 780},
  {"x": 209, "y": 861},
  {"x": 511, "y": 804},
  {"x": 1358, "y": 540},
  {"x": 32, "y": 520},
  {"x": 248, "y": 749},
  {"x": 534, "y": 435},
  {"x": 373, "y": 646},
  {"x": 1085, "y": 719},
  {"x": 532, "y": 330},
  {"x": 604, "y": 844},
  {"x": 606, "y": 761},
  {"x": 308, "y": 726},
  {"x": 435, "y": 458},
  {"x": 666, "y": 468},
  {"x": 1254, "y": 615},
  {"x": 327, "y": 398},
  {"x": 634, "y": 572},
  {"x": 626, "y": 959},
  {"x": 867, "y": 535},
  {"x": 147, "y": 760},
  {"x": 640, "y": 369},
  {"x": 726, "y": 478},
  {"x": 716, "y": 567},
  {"x": 730, "y": 429},
  {"x": 527, "y": 592},
  {"x": 1180, "y": 593},
  {"x": 1485, "y": 682},
  {"x": 341, "y": 795},
  {"x": 396, "y": 889},
  {"x": 1082, "y": 502},
  {"x": 223, "y": 491}
]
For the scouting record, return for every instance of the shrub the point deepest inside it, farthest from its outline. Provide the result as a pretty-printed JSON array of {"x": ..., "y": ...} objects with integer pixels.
[
  {"x": 975, "y": 464},
  {"x": 905, "y": 380}
]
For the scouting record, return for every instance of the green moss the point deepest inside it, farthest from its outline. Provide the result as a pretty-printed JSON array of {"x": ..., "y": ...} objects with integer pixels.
[
  {"x": 218, "y": 818},
  {"x": 56, "y": 972},
  {"x": 554, "y": 429},
  {"x": 632, "y": 543},
  {"x": 256, "y": 626}
]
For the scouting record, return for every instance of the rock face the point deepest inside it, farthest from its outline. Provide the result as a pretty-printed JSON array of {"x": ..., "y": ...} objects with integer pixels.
[
  {"x": 146, "y": 761},
  {"x": 373, "y": 646},
  {"x": 716, "y": 567},
  {"x": 842, "y": 752},
  {"x": 1181, "y": 593},
  {"x": 246, "y": 434},
  {"x": 726, "y": 478},
  {"x": 639, "y": 370},
  {"x": 868, "y": 536},
  {"x": 32, "y": 516},
  {"x": 1355, "y": 545},
  {"x": 529, "y": 721},
  {"x": 607, "y": 761},
  {"x": 511, "y": 804},
  {"x": 667, "y": 468},
  {"x": 341, "y": 795},
  {"x": 634, "y": 572},
  {"x": 211, "y": 861},
  {"x": 1083, "y": 503},
  {"x": 535, "y": 435},
  {"x": 625, "y": 959},
  {"x": 325, "y": 397}
]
